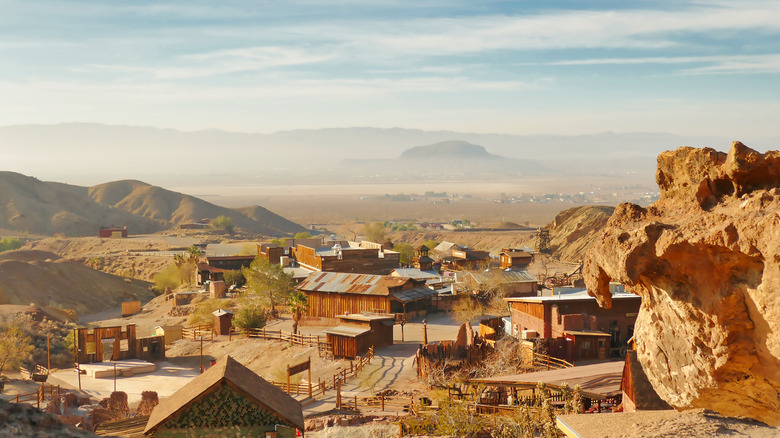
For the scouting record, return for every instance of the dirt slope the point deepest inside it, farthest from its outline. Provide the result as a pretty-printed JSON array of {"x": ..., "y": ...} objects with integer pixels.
[
  {"x": 49, "y": 281},
  {"x": 573, "y": 231}
]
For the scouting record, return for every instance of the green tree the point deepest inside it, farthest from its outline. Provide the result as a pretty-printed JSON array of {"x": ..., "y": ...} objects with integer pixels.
[
  {"x": 9, "y": 243},
  {"x": 375, "y": 232},
  {"x": 15, "y": 347},
  {"x": 267, "y": 283},
  {"x": 430, "y": 244},
  {"x": 299, "y": 304},
  {"x": 234, "y": 277},
  {"x": 407, "y": 252},
  {"x": 224, "y": 223},
  {"x": 302, "y": 235}
]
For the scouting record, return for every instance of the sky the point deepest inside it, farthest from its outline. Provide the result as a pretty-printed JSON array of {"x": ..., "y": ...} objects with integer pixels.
[{"x": 516, "y": 67}]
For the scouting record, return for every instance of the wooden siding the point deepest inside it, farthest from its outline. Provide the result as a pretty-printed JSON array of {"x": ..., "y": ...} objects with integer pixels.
[
  {"x": 534, "y": 309},
  {"x": 349, "y": 347},
  {"x": 328, "y": 305},
  {"x": 150, "y": 348}
]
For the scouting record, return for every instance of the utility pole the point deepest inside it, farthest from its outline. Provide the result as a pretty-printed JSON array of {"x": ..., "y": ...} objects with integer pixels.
[{"x": 201, "y": 354}]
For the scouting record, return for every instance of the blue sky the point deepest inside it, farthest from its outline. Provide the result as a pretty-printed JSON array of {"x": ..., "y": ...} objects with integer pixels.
[{"x": 520, "y": 67}]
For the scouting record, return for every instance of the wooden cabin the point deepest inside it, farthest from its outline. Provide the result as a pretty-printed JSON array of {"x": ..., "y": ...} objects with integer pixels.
[
  {"x": 355, "y": 334},
  {"x": 332, "y": 294}
]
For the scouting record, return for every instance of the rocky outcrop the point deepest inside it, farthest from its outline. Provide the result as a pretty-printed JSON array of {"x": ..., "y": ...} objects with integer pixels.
[
  {"x": 706, "y": 260},
  {"x": 22, "y": 420}
]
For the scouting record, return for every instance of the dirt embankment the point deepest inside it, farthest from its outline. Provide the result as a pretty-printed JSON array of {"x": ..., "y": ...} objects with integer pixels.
[
  {"x": 48, "y": 280},
  {"x": 112, "y": 256}
]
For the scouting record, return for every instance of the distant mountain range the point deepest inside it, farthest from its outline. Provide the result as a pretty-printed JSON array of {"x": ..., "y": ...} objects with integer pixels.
[
  {"x": 38, "y": 207},
  {"x": 93, "y": 152}
]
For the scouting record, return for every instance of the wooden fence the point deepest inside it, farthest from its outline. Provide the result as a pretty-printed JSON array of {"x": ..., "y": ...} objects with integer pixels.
[
  {"x": 324, "y": 348},
  {"x": 378, "y": 403},
  {"x": 195, "y": 333},
  {"x": 39, "y": 396},
  {"x": 544, "y": 361},
  {"x": 39, "y": 374},
  {"x": 313, "y": 389}
]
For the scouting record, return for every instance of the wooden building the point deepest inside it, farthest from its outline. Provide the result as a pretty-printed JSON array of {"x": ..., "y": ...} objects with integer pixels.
[
  {"x": 273, "y": 252},
  {"x": 359, "y": 258},
  {"x": 113, "y": 232},
  {"x": 214, "y": 267},
  {"x": 223, "y": 321},
  {"x": 577, "y": 313},
  {"x": 227, "y": 400},
  {"x": 334, "y": 293},
  {"x": 92, "y": 343},
  {"x": 514, "y": 258},
  {"x": 356, "y": 333},
  {"x": 422, "y": 261},
  {"x": 510, "y": 283},
  {"x": 465, "y": 259},
  {"x": 599, "y": 382}
]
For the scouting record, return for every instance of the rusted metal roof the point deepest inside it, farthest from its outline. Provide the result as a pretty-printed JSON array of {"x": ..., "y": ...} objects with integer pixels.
[{"x": 344, "y": 283}]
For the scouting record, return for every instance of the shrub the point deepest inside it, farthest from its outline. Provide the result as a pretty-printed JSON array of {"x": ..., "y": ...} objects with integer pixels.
[
  {"x": 250, "y": 316},
  {"x": 201, "y": 314},
  {"x": 9, "y": 243}
]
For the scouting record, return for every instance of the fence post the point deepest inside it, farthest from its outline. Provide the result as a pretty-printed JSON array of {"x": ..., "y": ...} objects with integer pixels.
[
  {"x": 383, "y": 402},
  {"x": 356, "y": 403}
]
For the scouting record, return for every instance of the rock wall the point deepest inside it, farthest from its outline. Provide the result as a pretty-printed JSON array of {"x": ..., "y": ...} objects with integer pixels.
[{"x": 706, "y": 260}]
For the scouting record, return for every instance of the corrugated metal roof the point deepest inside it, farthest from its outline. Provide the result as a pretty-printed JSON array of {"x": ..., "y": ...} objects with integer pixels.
[
  {"x": 415, "y": 273},
  {"x": 339, "y": 282},
  {"x": 507, "y": 276},
  {"x": 407, "y": 295}
]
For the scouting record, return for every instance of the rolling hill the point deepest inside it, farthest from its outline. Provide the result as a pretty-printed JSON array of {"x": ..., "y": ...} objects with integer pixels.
[
  {"x": 30, "y": 205},
  {"x": 50, "y": 281}
]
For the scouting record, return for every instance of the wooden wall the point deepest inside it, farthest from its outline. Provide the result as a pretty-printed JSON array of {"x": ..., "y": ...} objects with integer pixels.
[
  {"x": 328, "y": 305},
  {"x": 131, "y": 308},
  {"x": 91, "y": 347},
  {"x": 349, "y": 347}
]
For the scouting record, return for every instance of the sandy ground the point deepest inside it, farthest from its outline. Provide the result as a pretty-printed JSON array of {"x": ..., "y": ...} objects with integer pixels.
[{"x": 657, "y": 424}]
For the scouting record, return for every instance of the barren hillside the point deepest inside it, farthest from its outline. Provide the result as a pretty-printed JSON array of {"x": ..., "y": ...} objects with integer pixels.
[
  {"x": 50, "y": 281},
  {"x": 30, "y": 205},
  {"x": 574, "y": 230}
]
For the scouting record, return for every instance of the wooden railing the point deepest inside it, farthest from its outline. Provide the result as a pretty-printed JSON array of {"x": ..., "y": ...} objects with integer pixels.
[
  {"x": 38, "y": 396},
  {"x": 195, "y": 333},
  {"x": 544, "y": 361},
  {"x": 34, "y": 374},
  {"x": 378, "y": 403},
  {"x": 292, "y": 338},
  {"x": 355, "y": 367}
]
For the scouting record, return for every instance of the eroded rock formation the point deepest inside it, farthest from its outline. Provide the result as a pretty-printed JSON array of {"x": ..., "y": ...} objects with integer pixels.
[{"x": 706, "y": 260}]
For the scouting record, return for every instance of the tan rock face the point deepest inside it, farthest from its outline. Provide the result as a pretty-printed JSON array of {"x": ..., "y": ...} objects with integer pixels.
[{"x": 706, "y": 260}]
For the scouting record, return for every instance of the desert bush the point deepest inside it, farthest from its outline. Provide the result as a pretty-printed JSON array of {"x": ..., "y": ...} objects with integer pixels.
[
  {"x": 9, "y": 243},
  {"x": 250, "y": 316},
  {"x": 452, "y": 419},
  {"x": 224, "y": 223},
  {"x": 23, "y": 342},
  {"x": 201, "y": 314},
  {"x": 169, "y": 277},
  {"x": 234, "y": 277}
]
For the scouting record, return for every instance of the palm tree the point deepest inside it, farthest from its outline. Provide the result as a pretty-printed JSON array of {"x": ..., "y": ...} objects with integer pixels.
[{"x": 299, "y": 303}]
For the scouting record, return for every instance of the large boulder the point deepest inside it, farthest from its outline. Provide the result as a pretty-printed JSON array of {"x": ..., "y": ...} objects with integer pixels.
[{"x": 706, "y": 260}]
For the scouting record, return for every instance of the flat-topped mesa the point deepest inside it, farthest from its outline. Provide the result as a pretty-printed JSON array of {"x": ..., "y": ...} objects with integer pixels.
[{"x": 706, "y": 260}]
